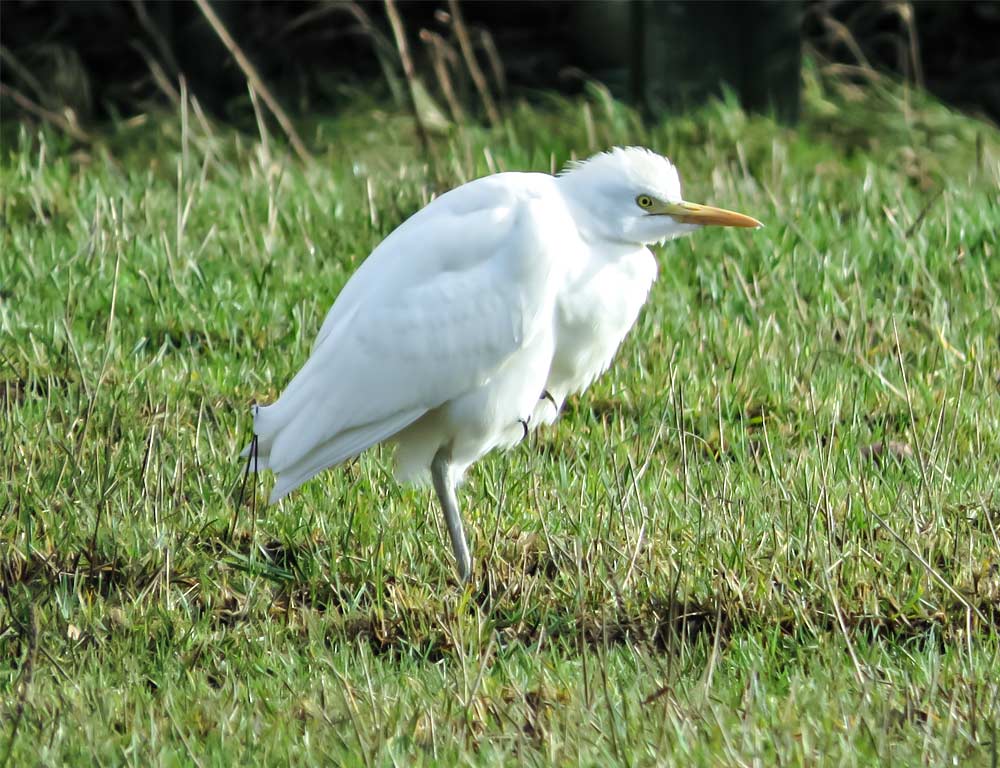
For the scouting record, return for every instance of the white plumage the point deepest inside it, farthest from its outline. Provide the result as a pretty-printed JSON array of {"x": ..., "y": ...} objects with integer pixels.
[{"x": 475, "y": 319}]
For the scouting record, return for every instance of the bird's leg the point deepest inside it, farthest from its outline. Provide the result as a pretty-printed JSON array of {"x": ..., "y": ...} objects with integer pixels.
[
  {"x": 445, "y": 488},
  {"x": 524, "y": 424},
  {"x": 546, "y": 395}
]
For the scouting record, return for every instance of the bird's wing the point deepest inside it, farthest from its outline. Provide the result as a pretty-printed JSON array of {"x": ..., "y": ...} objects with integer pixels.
[
  {"x": 435, "y": 311},
  {"x": 464, "y": 226}
]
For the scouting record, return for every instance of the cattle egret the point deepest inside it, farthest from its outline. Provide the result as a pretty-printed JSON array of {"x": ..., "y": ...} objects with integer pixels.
[{"x": 475, "y": 319}]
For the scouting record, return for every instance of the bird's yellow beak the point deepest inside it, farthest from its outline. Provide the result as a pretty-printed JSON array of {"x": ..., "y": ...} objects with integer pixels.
[{"x": 693, "y": 213}]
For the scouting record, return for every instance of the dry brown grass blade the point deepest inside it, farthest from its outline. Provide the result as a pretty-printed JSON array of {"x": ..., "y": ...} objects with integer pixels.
[
  {"x": 409, "y": 71},
  {"x": 139, "y": 6},
  {"x": 496, "y": 63},
  {"x": 158, "y": 74},
  {"x": 8, "y": 59},
  {"x": 440, "y": 54},
  {"x": 842, "y": 33},
  {"x": 61, "y": 122},
  {"x": 478, "y": 79},
  {"x": 255, "y": 81}
]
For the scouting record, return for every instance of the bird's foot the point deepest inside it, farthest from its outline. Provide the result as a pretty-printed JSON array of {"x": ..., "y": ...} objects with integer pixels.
[
  {"x": 546, "y": 395},
  {"x": 524, "y": 424}
]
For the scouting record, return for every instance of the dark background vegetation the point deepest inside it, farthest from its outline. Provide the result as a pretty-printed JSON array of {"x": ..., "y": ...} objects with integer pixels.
[{"x": 107, "y": 58}]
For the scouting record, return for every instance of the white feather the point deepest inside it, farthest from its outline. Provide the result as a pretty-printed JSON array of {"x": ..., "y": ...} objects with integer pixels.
[{"x": 453, "y": 297}]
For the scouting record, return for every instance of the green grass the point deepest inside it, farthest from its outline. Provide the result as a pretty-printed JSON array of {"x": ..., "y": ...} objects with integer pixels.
[{"x": 769, "y": 535}]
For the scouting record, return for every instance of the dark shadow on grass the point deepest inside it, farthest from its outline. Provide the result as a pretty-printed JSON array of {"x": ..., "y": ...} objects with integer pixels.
[
  {"x": 19, "y": 389},
  {"x": 359, "y": 611}
]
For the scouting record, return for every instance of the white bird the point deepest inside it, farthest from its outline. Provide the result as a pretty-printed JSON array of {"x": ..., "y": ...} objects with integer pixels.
[{"x": 475, "y": 319}]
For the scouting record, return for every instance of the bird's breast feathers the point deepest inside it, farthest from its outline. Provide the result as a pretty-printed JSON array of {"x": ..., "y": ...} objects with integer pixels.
[{"x": 595, "y": 311}]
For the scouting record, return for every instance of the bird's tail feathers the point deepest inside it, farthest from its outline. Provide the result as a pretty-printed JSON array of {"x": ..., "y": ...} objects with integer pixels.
[{"x": 339, "y": 448}]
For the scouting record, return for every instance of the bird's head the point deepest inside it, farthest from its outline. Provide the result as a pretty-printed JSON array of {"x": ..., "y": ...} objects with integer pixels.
[{"x": 633, "y": 195}]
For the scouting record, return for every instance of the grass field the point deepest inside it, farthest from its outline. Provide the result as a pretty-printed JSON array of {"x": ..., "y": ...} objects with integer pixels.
[{"x": 769, "y": 535}]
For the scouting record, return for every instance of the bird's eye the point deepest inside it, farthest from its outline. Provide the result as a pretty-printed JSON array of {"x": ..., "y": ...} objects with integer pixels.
[{"x": 644, "y": 201}]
